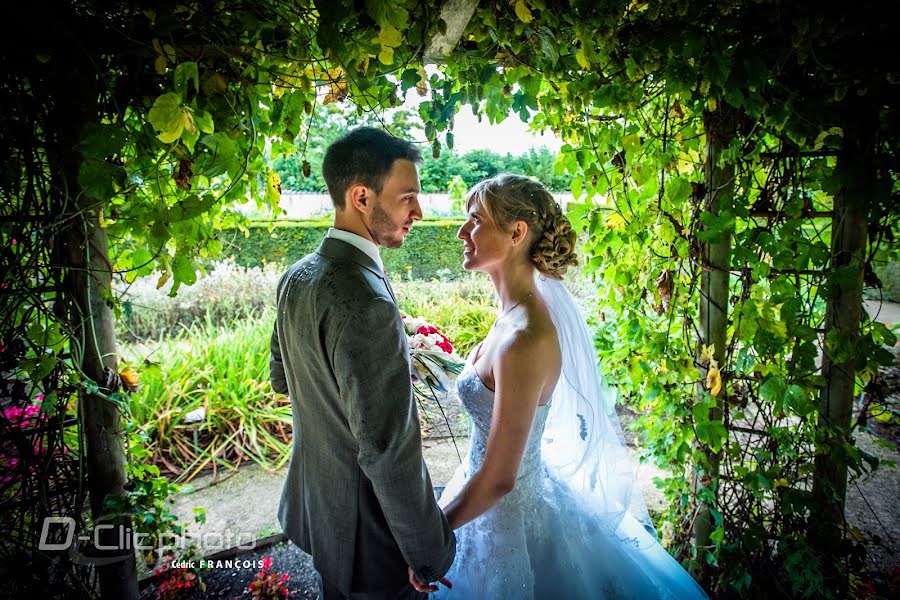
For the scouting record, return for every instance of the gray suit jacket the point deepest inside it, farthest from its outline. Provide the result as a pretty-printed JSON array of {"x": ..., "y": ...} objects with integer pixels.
[{"x": 357, "y": 496}]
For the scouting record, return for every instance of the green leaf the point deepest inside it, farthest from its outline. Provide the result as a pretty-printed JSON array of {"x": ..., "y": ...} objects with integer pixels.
[
  {"x": 96, "y": 178},
  {"x": 838, "y": 345},
  {"x": 190, "y": 207},
  {"x": 184, "y": 73},
  {"x": 389, "y": 36},
  {"x": 883, "y": 335},
  {"x": 632, "y": 70},
  {"x": 523, "y": 12},
  {"x": 712, "y": 433},
  {"x": 577, "y": 183},
  {"x": 183, "y": 270},
  {"x": 167, "y": 118},
  {"x": 409, "y": 79},
  {"x": 772, "y": 390},
  {"x": 796, "y": 398},
  {"x": 142, "y": 261},
  {"x": 678, "y": 190},
  {"x": 716, "y": 226},
  {"x": 204, "y": 121},
  {"x": 101, "y": 140}
]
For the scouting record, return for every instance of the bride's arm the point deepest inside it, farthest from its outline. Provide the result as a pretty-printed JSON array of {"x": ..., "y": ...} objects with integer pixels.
[{"x": 519, "y": 377}]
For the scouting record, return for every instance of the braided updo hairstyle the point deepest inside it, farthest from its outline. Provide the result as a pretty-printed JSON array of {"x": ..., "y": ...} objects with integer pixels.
[{"x": 507, "y": 198}]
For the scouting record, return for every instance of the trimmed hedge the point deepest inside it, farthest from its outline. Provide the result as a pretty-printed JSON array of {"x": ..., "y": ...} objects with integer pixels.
[{"x": 431, "y": 250}]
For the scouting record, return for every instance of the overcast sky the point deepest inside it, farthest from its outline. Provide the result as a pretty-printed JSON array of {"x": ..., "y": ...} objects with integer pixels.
[{"x": 512, "y": 135}]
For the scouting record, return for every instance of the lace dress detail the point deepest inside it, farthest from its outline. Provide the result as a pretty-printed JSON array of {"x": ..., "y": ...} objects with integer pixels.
[{"x": 540, "y": 541}]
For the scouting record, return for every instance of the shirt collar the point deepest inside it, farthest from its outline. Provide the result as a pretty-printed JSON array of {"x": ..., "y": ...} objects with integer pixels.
[{"x": 359, "y": 242}]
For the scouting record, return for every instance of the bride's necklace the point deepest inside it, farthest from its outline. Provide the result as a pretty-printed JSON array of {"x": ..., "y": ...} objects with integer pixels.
[{"x": 507, "y": 311}]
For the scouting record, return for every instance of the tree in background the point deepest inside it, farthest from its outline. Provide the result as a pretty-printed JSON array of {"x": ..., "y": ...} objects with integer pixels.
[{"x": 302, "y": 171}]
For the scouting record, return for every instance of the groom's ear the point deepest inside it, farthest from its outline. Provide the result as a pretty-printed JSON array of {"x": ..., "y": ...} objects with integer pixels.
[
  {"x": 360, "y": 197},
  {"x": 519, "y": 232}
]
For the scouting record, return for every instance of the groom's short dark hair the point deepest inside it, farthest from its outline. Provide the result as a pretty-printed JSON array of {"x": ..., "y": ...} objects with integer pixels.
[{"x": 363, "y": 155}]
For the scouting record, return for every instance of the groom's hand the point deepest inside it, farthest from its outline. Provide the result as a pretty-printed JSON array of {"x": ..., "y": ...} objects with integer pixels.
[{"x": 426, "y": 587}]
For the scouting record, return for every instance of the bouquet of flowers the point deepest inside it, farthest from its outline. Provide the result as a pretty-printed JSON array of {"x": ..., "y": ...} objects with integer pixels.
[
  {"x": 432, "y": 362},
  {"x": 431, "y": 357}
]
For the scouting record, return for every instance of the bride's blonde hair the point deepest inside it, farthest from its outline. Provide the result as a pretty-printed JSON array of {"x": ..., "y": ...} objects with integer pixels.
[{"x": 507, "y": 198}]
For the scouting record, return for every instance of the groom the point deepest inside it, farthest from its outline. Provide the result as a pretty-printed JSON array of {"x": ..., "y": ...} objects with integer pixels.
[{"x": 357, "y": 496}]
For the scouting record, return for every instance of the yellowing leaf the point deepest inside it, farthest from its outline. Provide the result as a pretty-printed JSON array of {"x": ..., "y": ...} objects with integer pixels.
[
  {"x": 615, "y": 221},
  {"x": 160, "y": 64},
  {"x": 337, "y": 93},
  {"x": 422, "y": 84},
  {"x": 130, "y": 378},
  {"x": 214, "y": 84},
  {"x": 820, "y": 139},
  {"x": 781, "y": 482},
  {"x": 386, "y": 56},
  {"x": 389, "y": 36},
  {"x": 166, "y": 117},
  {"x": 706, "y": 354},
  {"x": 582, "y": 59},
  {"x": 187, "y": 118},
  {"x": 522, "y": 11},
  {"x": 163, "y": 279},
  {"x": 273, "y": 188},
  {"x": 714, "y": 381}
]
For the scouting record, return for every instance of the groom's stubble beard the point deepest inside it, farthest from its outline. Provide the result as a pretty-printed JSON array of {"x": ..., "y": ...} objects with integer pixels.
[{"x": 382, "y": 227}]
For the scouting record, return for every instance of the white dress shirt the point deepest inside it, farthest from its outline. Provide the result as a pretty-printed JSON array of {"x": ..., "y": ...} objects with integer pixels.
[{"x": 360, "y": 242}]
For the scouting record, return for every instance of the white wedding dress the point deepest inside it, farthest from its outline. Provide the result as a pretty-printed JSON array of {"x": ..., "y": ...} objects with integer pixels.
[{"x": 573, "y": 527}]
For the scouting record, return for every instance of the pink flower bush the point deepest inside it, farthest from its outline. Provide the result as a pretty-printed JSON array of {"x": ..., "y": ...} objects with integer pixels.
[
  {"x": 268, "y": 584},
  {"x": 21, "y": 418}
]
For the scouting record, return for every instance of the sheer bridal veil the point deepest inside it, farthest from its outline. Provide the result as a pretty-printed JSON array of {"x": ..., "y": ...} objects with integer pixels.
[{"x": 583, "y": 442}]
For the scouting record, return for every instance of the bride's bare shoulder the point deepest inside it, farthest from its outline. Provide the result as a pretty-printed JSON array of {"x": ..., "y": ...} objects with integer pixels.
[{"x": 534, "y": 339}]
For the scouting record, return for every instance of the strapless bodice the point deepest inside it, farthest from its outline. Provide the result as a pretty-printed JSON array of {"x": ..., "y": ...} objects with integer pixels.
[{"x": 478, "y": 401}]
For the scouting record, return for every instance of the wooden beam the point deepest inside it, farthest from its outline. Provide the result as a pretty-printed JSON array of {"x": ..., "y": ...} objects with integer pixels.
[{"x": 456, "y": 14}]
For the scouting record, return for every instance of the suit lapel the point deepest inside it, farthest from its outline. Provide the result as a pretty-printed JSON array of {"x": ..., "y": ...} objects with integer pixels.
[
  {"x": 341, "y": 250},
  {"x": 390, "y": 289}
]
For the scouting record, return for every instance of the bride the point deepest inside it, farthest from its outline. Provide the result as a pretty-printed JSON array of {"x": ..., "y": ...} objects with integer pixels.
[{"x": 544, "y": 504}]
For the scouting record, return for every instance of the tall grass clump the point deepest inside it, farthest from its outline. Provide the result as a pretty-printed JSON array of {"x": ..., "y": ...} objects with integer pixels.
[{"x": 206, "y": 401}]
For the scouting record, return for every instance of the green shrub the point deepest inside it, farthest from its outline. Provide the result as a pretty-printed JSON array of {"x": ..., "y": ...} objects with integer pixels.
[
  {"x": 430, "y": 248},
  {"x": 889, "y": 275}
]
